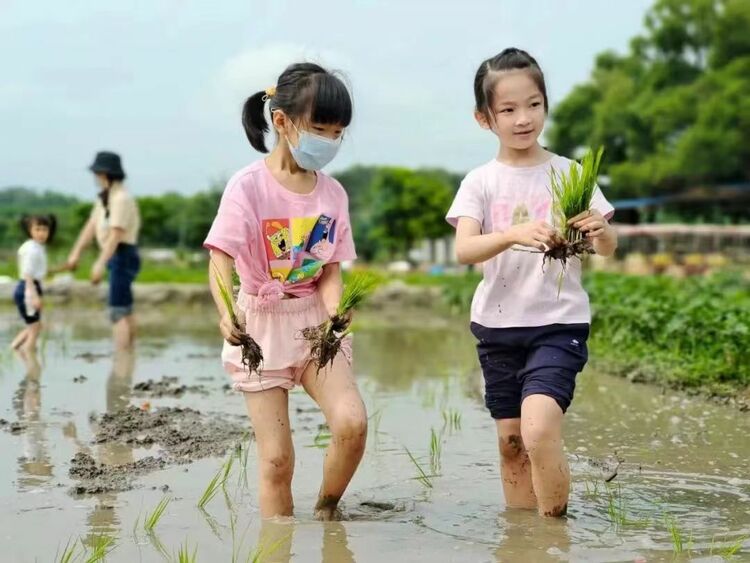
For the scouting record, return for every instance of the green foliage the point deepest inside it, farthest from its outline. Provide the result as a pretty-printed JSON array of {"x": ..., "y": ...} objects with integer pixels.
[
  {"x": 689, "y": 333},
  {"x": 406, "y": 206},
  {"x": 674, "y": 110}
]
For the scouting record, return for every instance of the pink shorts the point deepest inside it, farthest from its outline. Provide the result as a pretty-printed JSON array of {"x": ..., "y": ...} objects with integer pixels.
[{"x": 277, "y": 329}]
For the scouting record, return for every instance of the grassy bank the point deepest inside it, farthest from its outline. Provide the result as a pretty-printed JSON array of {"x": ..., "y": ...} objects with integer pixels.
[{"x": 689, "y": 333}]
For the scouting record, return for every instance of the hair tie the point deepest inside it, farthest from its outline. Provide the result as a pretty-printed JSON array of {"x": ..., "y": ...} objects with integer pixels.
[{"x": 270, "y": 93}]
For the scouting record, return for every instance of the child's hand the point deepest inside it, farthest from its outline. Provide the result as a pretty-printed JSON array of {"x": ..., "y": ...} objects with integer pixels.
[
  {"x": 592, "y": 223},
  {"x": 36, "y": 302},
  {"x": 230, "y": 331},
  {"x": 97, "y": 272},
  {"x": 72, "y": 262},
  {"x": 535, "y": 234}
]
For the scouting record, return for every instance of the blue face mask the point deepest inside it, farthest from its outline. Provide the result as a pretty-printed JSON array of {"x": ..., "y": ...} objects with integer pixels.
[{"x": 313, "y": 152}]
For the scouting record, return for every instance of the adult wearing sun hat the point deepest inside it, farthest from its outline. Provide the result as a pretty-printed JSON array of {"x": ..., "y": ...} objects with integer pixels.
[{"x": 115, "y": 223}]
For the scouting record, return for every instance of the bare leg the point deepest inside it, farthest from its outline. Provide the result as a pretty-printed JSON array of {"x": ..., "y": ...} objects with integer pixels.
[
  {"x": 123, "y": 332},
  {"x": 33, "y": 331},
  {"x": 336, "y": 392},
  {"x": 515, "y": 467},
  {"x": 541, "y": 428},
  {"x": 269, "y": 413},
  {"x": 20, "y": 339}
]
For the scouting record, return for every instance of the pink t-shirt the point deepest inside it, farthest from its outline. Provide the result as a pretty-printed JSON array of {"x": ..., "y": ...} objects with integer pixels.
[
  {"x": 281, "y": 240},
  {"x": 515, "y": 292}
]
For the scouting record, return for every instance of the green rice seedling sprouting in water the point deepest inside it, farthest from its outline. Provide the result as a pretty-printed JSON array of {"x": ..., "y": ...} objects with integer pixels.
[{"x": 152, "y": 519}]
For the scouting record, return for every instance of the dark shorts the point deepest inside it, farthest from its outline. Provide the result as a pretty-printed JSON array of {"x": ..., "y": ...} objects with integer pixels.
[
  {"x": 523, "y": 361},
  {"x": 123, "y": 269},
  {"x": 18, "y": 297}
]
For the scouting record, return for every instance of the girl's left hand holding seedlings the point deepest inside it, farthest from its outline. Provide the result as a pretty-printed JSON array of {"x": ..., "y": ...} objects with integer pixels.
[{"x": 592, "y": 223}]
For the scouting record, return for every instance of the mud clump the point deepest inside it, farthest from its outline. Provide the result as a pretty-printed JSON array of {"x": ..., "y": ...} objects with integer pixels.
[
  {"x": 96, "y": 478},
  {"x": 166, "y": 387},
  {"x": 181, "y": 435}
]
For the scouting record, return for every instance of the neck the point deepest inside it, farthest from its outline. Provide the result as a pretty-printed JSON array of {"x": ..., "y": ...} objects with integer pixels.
[
  {"x": 281, "y": 160},
  {"x": 531, "y": 156}
]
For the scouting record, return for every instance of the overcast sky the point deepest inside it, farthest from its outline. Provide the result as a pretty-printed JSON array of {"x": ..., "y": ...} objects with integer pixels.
[{"x": 162, "y": 81}]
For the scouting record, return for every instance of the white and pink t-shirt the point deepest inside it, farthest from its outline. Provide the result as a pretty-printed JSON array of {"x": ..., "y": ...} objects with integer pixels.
[
  {"x": 280, "y": 240},
  {"x": 515, "y": 292}
]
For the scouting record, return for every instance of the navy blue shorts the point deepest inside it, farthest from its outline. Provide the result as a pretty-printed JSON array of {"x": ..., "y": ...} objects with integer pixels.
[
  {"x": 18, "y": 297},
  {"x": 523, "y": 361},
  {"x": 123, "y": 269}
]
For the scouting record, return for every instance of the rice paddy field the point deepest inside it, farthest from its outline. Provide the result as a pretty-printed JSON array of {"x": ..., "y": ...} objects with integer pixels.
[{"x": 149, "y": 457}]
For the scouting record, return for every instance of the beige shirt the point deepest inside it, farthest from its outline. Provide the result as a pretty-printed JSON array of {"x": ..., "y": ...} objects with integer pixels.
[{"x": 123, "y": 214}]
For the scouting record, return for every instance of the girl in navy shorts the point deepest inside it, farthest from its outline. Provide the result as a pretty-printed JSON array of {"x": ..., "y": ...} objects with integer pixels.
[
  {"x": 531, "y": 341},
  {"x": 32, "y": 269}
]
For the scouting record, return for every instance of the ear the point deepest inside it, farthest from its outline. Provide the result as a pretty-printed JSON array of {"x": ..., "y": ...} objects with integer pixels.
[
  {"x": 482, "y": 119},
  {"x": 279, "y": 120}
]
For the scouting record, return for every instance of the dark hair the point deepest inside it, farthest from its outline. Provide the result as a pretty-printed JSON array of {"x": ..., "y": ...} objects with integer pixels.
[
  {"x": 302, "y": 90},
  {"x": 508, "y": 59},
  {"x": 49, "y": 221}
]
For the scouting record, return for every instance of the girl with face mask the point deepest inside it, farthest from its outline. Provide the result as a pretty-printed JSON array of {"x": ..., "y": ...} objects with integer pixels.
[{"x": 283, "y": 225}]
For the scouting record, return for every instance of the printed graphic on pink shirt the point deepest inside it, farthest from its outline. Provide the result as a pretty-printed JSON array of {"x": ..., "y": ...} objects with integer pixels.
[
  {"x": 297, "y": 248},
  {"x": 507, "y": 211}
]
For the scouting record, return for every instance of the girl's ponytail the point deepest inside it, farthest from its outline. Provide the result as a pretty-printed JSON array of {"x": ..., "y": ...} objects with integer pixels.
[{"x": 254, "y": 120}]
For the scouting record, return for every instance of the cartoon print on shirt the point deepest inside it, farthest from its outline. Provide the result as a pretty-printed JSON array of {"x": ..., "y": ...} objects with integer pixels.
[
  {"x": 278, "y": 239},
  {"x": 297, "y": 248}
]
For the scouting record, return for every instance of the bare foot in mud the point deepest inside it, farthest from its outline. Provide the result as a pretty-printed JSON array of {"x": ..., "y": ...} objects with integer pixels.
[
  {"x": 326, "y": 509},
  {"x": 328, "y": 514}
]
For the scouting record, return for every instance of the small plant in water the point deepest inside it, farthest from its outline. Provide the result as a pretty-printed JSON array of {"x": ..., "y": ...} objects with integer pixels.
[
  {"x": 422, "y": 477},
  {"x": 152, "y": 519},
  {"x": 452, "y": 419},
  {"x": 218, "y": 481},
  {"x": 184, "y": 555},
  {"x": 69, "y": 552},
  {"x": 323, "y": 437},
  {"x": 325, "y": 339},
  {"x": 101, "y": 546},
  {"x": 675, "y": 534},
  {"x": 252, "y": 355},
  {"x": 436, "y": 451}
]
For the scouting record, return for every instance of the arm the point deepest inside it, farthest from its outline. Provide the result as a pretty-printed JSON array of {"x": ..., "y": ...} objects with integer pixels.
[
  {"x": 331, "y": 286},
  {"x": 472, "y": 247},
  {"x": 221, "y": 264},
  {"x": 30, "y": 292},
  {"x": 115, "y": 236},
  {"x": 597, "y": 228},
  {"x": 84, "y": 239}
]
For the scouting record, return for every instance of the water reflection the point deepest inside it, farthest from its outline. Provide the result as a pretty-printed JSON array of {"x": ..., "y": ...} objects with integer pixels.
[
  {"x": 527, "y": 537},
  {"x": 34, "y": 465},
  {"x": 275, "y": 540},
  {"x": 103, "y": 517}
]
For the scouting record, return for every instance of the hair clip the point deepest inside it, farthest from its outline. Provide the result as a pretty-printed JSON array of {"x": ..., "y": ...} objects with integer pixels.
[{"x": 270, "y": 93}]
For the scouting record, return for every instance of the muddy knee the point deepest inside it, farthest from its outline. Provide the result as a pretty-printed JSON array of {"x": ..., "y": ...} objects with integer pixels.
[
  {"x": 277, "y": 468},
  {"x": 540, "y": 441},
  {"x": 512, "y": 447},
  {"x": 349, "y": 429}
]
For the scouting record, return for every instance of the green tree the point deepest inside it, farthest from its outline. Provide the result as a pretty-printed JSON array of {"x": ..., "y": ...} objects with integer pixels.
[
  {"x": 408, "y": 206},
  {"x": 674, "y": 111}
]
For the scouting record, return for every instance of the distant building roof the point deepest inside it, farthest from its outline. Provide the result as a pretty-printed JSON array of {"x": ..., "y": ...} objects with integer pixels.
[{"x": 724, "y": 192}]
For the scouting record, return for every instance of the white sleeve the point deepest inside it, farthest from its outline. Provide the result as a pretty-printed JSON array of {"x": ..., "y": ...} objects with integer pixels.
[
  {"x": 469, "y": 201},
  {"x": 600, "y": 203}
]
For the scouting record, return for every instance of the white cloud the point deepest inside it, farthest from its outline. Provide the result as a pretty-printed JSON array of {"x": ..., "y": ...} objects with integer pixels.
[{"x": 256, "y": 69}]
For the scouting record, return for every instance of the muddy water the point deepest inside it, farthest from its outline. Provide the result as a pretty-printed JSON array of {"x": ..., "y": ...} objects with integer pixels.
[{"x": 685, "y": 470}]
